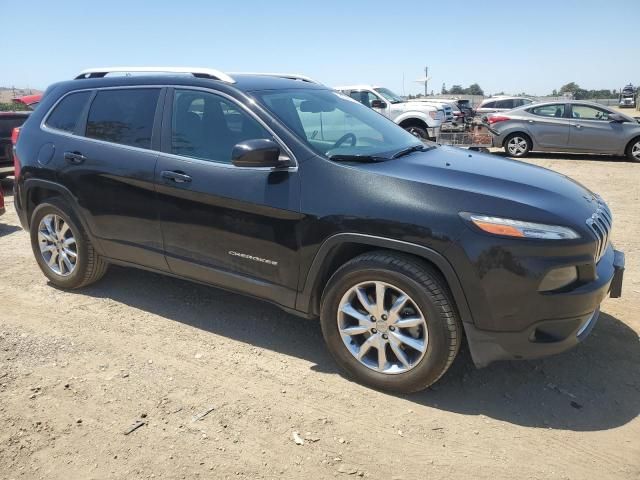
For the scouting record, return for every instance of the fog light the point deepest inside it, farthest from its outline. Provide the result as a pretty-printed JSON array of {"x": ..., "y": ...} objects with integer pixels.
[{"x": 558, "y": 278}]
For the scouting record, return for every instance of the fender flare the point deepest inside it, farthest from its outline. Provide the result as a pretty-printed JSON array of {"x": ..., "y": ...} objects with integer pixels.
[
  {"x": 306, "y": 298},
  {"x": 68, "y": 197}
]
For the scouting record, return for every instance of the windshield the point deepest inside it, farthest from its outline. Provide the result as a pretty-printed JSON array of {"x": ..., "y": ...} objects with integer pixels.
[
  {"x": 335, "y": 125},
  {"x": 389, "y": 95}
]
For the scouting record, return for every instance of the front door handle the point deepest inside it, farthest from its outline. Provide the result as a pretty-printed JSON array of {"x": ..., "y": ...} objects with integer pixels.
[
  {"x": 175, "y": 176},
  {"x": 531, "y": 121},
  {"x": 578, "y": 126},
  {"x": 74, "y": 158}
]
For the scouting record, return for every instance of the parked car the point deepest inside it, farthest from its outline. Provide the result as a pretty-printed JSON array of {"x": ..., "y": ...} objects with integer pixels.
[
  {"x": 8, "y": 121},
  {"x": 30, "y": 101},
  {"x": 288, "y": 191},
  {"x": 570, "y": 126},
  {"x": 420, "y": 119},
  {"x": 501, "y": 104}
]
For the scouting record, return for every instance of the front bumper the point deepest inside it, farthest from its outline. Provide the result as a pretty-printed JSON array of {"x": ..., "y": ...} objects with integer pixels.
[
  {"x": 433, "y": 132},
  {"x": 545, "y": 337}
]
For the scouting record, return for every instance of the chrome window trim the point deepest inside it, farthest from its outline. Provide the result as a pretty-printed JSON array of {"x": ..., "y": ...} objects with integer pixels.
[{"x": 293, "y": 168}]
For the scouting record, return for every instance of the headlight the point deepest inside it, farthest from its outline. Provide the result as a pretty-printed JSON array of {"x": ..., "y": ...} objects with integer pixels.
[
  {"x": 433, "y": 115},
  {"x": 558, "y": 278},
  {"x": 518, "y": 228}
]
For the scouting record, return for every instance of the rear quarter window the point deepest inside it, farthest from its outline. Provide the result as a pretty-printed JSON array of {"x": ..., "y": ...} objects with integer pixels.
[
  {"x": 123, "y": 116},
  {"x": 67, "y": 113}
]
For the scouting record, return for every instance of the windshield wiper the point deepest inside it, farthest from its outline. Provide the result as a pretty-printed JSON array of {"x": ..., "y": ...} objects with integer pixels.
[
  {"x": 356, "y": 158},
  {"x": 407, "y": 151}
]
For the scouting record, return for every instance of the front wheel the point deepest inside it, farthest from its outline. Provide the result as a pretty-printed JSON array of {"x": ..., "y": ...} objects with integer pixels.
[
  {"x": 389, "y": 322},
  {"x": 517, "y": 145},
  {"x": 633, "y": 150}
]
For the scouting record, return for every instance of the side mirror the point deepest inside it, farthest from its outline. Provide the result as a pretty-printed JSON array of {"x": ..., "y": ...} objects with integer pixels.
[
  {"x": 260, "y": 152},
  {"x": 616, "y": 118},
  {"x": 378, "y": 104}
]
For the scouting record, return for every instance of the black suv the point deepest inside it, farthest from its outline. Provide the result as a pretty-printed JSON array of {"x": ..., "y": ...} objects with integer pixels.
[{"x": 280, "y": 188}]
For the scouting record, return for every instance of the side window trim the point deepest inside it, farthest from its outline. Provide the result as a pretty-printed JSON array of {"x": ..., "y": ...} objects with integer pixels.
[
  {"x": 166, "y": 134},
  {"x": 82, "y": 123},
  {"x": 45, "y": 118}
]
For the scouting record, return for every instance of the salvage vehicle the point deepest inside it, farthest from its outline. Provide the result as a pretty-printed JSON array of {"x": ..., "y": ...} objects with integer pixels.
[
  {"x": 501, "y": 104},
  {"x": 566, "y": 126},
  {"x": 285, "y": 190},
  {"x": 8, "y": 121},
  {"x": 421, "y": 119}
]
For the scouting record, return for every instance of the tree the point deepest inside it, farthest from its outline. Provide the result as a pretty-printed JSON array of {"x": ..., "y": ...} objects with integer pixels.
[
  {"x": 457, "y": 90},
  {"x": 474, "y": 89},
  {"x": 554, "y": 93},
  {"x": 444, "y": 89},
  {"x": 570, "y": 88}
]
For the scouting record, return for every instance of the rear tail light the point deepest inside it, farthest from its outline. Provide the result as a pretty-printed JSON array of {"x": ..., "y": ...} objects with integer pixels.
[
  {"x": 497, "y": 119},
  {"x": 15, "y": 134}
]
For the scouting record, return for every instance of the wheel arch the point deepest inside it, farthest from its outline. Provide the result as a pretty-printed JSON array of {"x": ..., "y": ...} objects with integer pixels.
[
  {"x": 36, "y": 191},
  {"x": 518, "y": 131},
  {"x": 342, "y": 247},
  {"x": 630, "y": 143}
]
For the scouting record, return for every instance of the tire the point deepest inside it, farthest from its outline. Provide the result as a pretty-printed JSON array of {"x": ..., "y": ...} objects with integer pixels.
[
  {"x": 428, "y": 297},
  {"x": 417, "y": 131},
  {"x": 633, "y": 150},
  {"x": 88, "y": 267},
  {"x": 517, "y": 145}
]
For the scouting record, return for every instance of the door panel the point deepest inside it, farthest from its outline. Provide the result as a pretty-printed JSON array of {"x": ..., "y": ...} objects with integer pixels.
[
  {"x": 549, "y": 127},
  {"x": 112, "y": 174},
  {"x": 230, "y": 226},
  {"x": 229, "y": 221},
  {"x": 591, "y": 131}
]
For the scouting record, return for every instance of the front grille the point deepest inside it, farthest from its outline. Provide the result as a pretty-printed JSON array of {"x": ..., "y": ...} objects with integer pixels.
[{"x": 600, "y": 224}]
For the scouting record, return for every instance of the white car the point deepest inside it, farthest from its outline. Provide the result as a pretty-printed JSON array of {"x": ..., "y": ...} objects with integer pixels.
[
  {"x": 421, "y": 119},
  {"x": 502, "y": 104}
]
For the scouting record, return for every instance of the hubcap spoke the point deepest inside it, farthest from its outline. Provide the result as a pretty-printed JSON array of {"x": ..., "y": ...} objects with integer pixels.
[
  {"x": 408, "y": 322},
  {"x": 380, "y": 291},
  {"x": 382, "y": 354},
  {"x": 352, "y": 312},
  {"x": 364, "y": 300},
  {"x": 398, "y": 352},
  {"x": 368, "y": 343},
  {"x": 409, "y": 341},
  {"x": 394, "y": 311}
]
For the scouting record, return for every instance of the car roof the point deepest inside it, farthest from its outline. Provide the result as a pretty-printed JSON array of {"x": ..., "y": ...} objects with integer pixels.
[{"x": 241, "y": 81}]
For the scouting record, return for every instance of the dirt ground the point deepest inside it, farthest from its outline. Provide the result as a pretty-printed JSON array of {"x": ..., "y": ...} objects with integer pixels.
[{"x": 78, "y": 368}]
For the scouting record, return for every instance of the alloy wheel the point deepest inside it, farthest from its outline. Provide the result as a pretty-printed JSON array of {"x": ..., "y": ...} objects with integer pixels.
[
  {"x": 635, "y": 151},
  {"x": 382, "y": 327},
  {"x": 517, "y": 146},
  {"x": 57, "y": 245}
]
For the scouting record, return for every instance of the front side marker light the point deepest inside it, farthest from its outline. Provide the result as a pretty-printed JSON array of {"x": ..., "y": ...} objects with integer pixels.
[{"x": 520, "y": 229}]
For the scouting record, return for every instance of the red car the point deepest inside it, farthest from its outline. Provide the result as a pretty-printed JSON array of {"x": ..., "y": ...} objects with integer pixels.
[{"x": 30, "y": 101}]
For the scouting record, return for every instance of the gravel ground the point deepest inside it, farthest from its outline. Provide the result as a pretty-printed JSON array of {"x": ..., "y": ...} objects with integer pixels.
[{"x": 77, "y": 369}]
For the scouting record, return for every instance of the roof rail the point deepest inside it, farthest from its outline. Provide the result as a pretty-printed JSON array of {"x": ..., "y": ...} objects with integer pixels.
[
  {"x": 290, "y": 76},
  {"x": 196, "y": 72}
]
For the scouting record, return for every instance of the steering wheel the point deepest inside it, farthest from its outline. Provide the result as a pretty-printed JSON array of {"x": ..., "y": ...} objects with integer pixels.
[{"x": 344, "y": 138}]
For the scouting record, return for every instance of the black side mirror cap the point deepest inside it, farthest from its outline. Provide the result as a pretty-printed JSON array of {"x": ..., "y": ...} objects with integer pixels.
[
  {"x": 378, "y": 104},
  {"x": 260, "y": 152}
]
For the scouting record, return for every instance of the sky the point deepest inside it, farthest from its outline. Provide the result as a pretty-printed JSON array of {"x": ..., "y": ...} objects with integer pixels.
[{"x": 511, "y": 46}]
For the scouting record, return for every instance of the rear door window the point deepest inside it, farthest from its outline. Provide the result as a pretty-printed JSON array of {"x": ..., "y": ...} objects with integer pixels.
[
  {"x": 123, "y": 116},
  {"x": 555, "y": 110},
  {"x": 488, "y": 105},
  {"x": 67, "y": 114},
  {"x": 505, "y": 104}
]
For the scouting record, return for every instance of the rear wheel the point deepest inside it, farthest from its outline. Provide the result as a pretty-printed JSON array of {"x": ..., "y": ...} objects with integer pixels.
[
  {"x": 61, "y": 247},
  {"x": 517, "y": 145},
  {"x": 389, "y": 322},
  {"x": 633, "y": 150}
]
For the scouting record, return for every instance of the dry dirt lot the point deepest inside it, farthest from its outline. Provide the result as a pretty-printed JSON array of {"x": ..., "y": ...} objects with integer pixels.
[{"x": 78, "y": 368}]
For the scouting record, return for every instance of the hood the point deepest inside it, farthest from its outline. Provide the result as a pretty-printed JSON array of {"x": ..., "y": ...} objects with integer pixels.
[
  {"x": 483, "y": 179},
  {"x": 413, "y": 106}
]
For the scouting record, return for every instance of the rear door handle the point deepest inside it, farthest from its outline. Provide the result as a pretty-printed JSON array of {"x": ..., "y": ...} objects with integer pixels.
[
  {"x": 74, "y": 158},
  {"x": 177, "y": 177},
  {"x": 578, "y": 126},
  {"x": 531, "y": 121}
]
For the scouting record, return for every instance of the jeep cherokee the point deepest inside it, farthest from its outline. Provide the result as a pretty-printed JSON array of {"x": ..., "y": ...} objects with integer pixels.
[{"x": 277, "y": 187}]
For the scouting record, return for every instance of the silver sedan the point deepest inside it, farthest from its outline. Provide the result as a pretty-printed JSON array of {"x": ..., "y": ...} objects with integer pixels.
[{"x": 569, "y": 126}]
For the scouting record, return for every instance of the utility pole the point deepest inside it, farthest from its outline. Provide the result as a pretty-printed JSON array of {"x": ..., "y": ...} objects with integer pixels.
[{"x": 426, "y": 81}]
